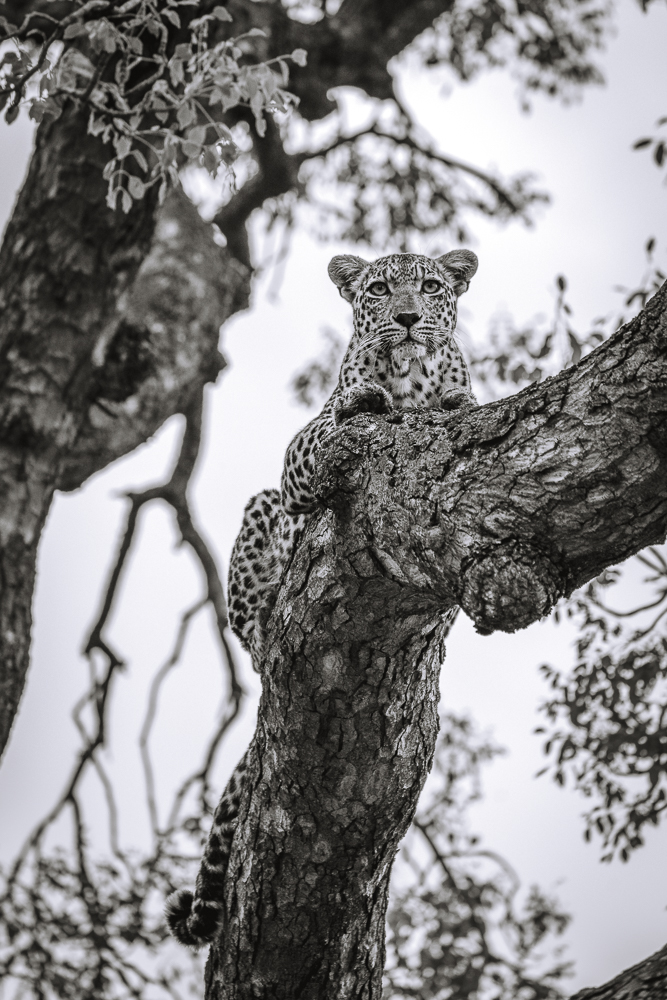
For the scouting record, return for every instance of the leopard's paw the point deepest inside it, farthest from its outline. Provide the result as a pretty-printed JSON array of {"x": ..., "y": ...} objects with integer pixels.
[
  {"x": 369, "y": 398},
  {"x": 458, "y": 399}
]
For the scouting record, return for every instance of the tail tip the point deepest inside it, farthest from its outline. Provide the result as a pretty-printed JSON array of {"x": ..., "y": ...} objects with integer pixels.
[{"x": 177, "y": 910}]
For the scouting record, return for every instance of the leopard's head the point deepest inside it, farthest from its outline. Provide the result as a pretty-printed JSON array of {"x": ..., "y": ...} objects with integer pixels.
[{"x": 404, "y": 304}]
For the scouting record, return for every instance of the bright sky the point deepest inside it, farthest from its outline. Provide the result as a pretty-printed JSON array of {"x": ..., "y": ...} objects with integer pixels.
[{"x": 606, "y": 201}]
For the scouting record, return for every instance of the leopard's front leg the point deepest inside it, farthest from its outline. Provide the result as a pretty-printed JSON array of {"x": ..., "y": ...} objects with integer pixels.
[
  {"x": 301, "y": 455},
  {"x": 295, "y": 486},
  {"x": 365, "y": 397}
]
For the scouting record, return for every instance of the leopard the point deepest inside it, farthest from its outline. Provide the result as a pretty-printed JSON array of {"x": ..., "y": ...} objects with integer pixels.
[{"x": 403, "y": 354}]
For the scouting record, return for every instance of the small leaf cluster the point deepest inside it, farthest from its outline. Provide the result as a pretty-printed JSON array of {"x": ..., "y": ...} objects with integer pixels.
[
  {"x": 656, "y": 144},
  {"x": 75, "y": 928},
  {"x": 155, "y": 88},
  {"x": 77, "y": 921},
  {"x": 314, "y": 383},
  {"x": 548, "y": 44},
  {"x": 608, "y": 716}
]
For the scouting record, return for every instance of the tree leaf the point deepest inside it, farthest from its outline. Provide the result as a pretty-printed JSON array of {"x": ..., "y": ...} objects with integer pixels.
[
  {"x": 211, "y": 160},
  {"x": 75, "y": 30},
  {"x": 37, "y": 109},
  {"x": 197, "y": 134},
  {"x": 186, "y": 115},
  {"x": 136, "y": 187},
  {"x": 222, "y": 14},
  {"x": 176, "y": 72},
  {"x": 141, "y": 159},
  {"x": 123, "y": 145}
]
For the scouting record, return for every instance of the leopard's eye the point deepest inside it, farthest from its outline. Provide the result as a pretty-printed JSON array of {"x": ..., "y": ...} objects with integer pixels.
[
  {"x": 431, "y": 286},
  {"x": 379, "y": 288}
]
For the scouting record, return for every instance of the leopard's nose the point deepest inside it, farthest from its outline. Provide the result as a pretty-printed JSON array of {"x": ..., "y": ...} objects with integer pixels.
[{"x": 407, "y": 319}]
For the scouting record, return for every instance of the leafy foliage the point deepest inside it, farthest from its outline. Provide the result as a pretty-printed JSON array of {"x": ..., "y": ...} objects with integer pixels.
[
  {"x": 156, "y": 98},
  {"x": 514, "y": 357},
  {"x": 612, "y": 708},
  {"x": 547, "y": 43},
  {"x": 388, "y": 183},
  {"x": 317, "y": 380},
  {"x": 75, "y": 926},
  {"x": 454, "y": 927}
]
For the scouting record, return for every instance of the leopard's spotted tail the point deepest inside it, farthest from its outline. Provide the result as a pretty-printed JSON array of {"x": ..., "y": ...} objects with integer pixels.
[
  {"x": 193, "y": 918},
  {"x": 192, "y": 921}
]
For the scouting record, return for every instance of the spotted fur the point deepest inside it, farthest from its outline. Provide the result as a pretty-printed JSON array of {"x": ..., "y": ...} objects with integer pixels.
[{"x": 403, "y": 354}]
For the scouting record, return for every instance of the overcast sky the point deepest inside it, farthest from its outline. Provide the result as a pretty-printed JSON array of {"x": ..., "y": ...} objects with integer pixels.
[{"x": 606, "y": 201}]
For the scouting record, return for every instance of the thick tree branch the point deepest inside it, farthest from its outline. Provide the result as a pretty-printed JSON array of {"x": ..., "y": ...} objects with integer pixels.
[
  {"x": 645, "y": 981},
  {"x": 502, "y": 509},
  {"x": 514, "y": 504}
]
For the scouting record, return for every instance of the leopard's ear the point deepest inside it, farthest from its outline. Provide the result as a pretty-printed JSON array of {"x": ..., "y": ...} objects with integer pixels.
[
  {"x": 345, "y": 272},
  {"x": 458, "y": 267}
]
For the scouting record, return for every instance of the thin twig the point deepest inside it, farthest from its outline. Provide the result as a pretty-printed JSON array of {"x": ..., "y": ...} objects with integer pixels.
[{"x": 151, "y": 710}]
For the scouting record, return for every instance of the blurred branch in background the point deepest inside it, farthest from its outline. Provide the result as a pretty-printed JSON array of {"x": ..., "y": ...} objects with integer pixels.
[{"x": 73, "y": 925}]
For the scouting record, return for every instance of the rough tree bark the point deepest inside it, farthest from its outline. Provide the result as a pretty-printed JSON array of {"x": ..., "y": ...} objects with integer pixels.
[
  {"x": 501, "y": 510},
  {"x": 645, "y": 981}
]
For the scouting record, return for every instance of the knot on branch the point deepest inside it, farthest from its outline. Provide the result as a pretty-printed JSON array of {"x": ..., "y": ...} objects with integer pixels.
[{"x": 509, "y": 588}]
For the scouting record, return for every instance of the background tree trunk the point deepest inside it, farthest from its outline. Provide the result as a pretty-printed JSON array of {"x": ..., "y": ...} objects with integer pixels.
[
  {"x": 109, "y": 325},
  {"x": 503, "y": 509}
]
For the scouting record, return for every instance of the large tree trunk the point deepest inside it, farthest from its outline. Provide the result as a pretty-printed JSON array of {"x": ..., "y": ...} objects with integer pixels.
[
  {"x": 503, "y": 510},
  {"x": 108, "y": 325}
]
